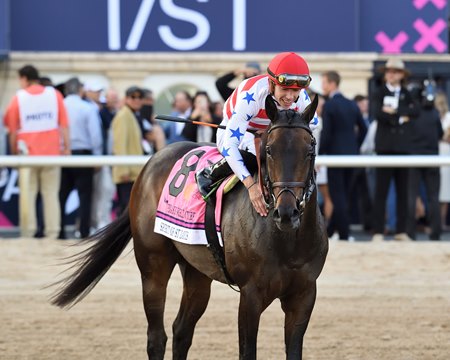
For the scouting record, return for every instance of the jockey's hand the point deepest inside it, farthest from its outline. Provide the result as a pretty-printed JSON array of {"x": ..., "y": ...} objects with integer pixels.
[{"x": 256, "y": 197}]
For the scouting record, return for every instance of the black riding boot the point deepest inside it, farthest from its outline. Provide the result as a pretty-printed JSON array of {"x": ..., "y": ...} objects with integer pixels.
[{"x": 211, "y": 176}]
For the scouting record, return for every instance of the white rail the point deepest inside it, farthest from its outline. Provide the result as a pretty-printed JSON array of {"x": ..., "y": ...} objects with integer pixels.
[{"x": 330, "y": 161}]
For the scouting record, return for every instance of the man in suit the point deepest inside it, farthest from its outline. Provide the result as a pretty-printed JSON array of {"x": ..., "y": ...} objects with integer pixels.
[
  {"x": 340, "y": 117},
  {"x": 394, "y": 109}
]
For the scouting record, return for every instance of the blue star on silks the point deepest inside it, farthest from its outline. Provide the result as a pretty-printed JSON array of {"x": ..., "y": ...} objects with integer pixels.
[
  {"x": 306, "y": 96},
  {"x": 233, "y": 113},
  {"x": 249, "y": 117},
  {"x": 236, "y": 133},
  {"x": 315, "y": 120},
  {"x": 225, "y": 152},
  {"x": 249, "y": 97}
]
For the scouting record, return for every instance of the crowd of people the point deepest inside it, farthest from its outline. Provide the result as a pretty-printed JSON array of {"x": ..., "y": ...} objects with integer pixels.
[
  {"x": 73, "y": 118},
  {"x": 86, "y": 119},
  {"x": 408, "y": 118}
]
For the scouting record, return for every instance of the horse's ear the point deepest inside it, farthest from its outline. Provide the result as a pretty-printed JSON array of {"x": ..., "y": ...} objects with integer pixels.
[
  {"x": 310, "y": 110},
  {"x": 271, "y": 108}
]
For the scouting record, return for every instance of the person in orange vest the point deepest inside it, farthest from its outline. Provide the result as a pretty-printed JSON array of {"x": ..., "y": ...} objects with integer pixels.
[{"x": 38, "y": 125}]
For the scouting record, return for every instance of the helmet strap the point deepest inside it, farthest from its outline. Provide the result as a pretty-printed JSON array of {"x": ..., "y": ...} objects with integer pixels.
[{"x": 271, "y": 87}]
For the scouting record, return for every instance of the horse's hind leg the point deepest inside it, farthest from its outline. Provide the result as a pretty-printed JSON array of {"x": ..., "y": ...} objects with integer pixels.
[
  {"x": 196, "y": 292},
  {"x": 156, "y": 268}
]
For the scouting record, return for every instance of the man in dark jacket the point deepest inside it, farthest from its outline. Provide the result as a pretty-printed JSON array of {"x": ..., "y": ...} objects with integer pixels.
[
  {"x": 425, "y": 135},
  {"x": 395, "y": 110},
  {"x": 340, "y": 117}
]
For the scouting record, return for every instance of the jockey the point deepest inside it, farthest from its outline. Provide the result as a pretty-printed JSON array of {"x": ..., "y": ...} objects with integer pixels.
[{"x": 286, "y": 80}]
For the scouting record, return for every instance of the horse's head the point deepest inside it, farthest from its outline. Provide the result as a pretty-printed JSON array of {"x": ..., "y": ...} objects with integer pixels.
[{"x": 288, "y": 153}]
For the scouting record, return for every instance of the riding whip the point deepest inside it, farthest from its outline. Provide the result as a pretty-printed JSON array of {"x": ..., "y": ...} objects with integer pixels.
[{"x": 179, "y": 119}]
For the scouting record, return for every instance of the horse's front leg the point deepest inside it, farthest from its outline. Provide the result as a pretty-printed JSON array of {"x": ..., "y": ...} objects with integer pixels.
[
  {"x": 251, "y": 306},
  {"x": 297, "y": 307}
]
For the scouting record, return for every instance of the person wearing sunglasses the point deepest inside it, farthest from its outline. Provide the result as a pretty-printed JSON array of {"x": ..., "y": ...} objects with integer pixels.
[{"x": 286, "y": 80}]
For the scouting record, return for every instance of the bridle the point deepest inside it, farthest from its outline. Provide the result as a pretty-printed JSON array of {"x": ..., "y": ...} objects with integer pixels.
[{"x": 287, "y": 186}]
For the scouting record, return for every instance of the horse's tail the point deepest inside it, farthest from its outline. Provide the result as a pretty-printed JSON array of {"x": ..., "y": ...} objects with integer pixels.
[{"x": 91, "y": 264}]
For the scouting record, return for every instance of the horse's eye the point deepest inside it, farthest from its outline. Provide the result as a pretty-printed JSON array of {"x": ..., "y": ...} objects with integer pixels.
[{"x": 268, "y": 152}]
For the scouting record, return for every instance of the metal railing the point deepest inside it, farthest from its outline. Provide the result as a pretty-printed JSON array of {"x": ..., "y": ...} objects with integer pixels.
[
  {"x": 23, "y": 163},
  {"x": 327, "y": 160}
]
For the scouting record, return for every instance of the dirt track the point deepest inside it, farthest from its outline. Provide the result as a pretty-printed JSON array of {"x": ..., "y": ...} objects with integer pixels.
[{"x": 375, "y": 301}]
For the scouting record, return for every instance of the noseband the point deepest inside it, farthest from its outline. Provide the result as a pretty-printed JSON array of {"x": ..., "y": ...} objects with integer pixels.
[{"x": 288, "y": 186}]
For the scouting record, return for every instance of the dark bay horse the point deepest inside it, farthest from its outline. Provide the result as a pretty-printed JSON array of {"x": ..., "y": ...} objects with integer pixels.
[{"x": 278, "y": 256}]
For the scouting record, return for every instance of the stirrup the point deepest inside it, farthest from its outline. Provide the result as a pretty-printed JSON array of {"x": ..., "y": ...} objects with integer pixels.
[
  {"x": 206, "y": 190},
  {"x": 210, "y": 178},
  {"x": 205, "y": 184}
]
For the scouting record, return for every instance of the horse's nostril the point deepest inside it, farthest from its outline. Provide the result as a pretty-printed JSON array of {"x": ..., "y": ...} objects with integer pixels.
[
  {"x": 276, "y": 214},
  {"x": 285, "y": 214}
]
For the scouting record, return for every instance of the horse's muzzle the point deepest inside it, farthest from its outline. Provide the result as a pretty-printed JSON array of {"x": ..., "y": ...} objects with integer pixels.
[{"x": 287, "y": 218}]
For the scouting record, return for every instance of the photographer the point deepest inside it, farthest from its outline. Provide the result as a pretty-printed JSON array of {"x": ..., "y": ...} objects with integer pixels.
[{"x": 426, "y": 131}]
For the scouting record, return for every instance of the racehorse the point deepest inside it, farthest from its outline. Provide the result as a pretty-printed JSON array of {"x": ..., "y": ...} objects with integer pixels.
[{"x": 278, "y": 256}]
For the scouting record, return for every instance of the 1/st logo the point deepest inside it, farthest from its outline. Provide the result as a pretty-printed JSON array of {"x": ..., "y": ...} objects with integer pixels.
[{"x": 166, "y": 34}]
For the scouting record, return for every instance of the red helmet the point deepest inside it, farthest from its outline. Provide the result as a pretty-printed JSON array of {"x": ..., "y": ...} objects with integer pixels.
[{"x": 289, "y": 70}]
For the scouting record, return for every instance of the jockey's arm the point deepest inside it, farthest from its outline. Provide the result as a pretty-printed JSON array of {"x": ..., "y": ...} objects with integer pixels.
[{"x": 234, "y": 134}]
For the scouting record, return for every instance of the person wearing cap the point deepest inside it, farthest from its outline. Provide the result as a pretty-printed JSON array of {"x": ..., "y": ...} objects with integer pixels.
[
  {"x": 394, "y": 109},
  {"x": 250, "y": 69},
  {"x": 286, "y": 81},
  {"x": 85, "y": 139},
  {"x": 127, "y": 140},
  {"x": 38, "y": 125},
  {"x": 92, "y": 93},
  {"x": 103, "y": 187}
]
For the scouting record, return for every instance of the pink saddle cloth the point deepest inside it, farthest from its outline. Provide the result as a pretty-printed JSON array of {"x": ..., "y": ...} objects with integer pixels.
[{"x": 181, "y": 209}]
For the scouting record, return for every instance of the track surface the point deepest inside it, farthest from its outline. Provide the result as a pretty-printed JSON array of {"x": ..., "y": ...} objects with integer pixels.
[{"x": 375, "y": 301}]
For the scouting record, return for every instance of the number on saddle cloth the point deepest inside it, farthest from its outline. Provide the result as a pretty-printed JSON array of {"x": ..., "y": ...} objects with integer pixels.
[{"x": 184, "y": 171}]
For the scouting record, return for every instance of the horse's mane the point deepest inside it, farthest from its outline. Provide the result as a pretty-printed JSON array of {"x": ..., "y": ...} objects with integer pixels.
[{"x": 291, "y": 116}]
